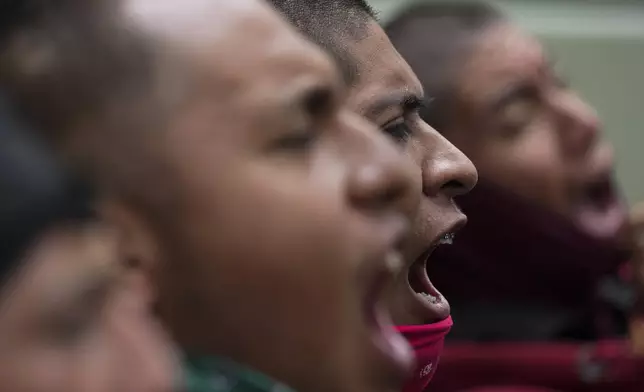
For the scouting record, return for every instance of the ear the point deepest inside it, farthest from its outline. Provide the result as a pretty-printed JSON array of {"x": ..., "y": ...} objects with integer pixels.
[
  {"x": 138, "y": 247},
  {"x": 150, "y": 347}
]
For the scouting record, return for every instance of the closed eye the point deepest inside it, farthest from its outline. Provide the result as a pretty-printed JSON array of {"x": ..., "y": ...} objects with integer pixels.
[
  {"x": 317, "y": 104},
  {"x": 398, "y": 130}
]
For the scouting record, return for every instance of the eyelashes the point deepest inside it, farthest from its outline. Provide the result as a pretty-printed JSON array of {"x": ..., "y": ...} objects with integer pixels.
[{"x": 399, "y": 131}]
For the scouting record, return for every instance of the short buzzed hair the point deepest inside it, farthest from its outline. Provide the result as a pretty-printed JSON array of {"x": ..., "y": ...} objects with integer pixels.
[
  {"x": 433, "y": 38},
  {"x": 330, "y": 24},
  {"x": 89, "y": 84}
]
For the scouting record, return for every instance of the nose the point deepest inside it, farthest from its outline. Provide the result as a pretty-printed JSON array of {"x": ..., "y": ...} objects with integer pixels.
[
  {"x": 577, "y": 122},
  {"x": 381, "y": 177},
  {"x": 445, "y": 169}
]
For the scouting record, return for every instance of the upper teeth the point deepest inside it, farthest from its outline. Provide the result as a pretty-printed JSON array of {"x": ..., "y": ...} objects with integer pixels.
[{"x": 447, "y": 239}]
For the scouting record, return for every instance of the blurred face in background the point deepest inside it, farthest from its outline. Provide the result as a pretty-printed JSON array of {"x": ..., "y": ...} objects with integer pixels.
[
  {"x": 71, "y": 322},
  {"x": 528, "y": 132}
]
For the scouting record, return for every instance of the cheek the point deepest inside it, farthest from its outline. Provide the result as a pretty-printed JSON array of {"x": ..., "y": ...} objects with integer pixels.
[
  {"x": 284, "y": 267},
  {"x": 278, "y": 232},
  {"x": 298, "y": 241},
  {"x": 530, "y": 166},
  {"x": 419, "y": 154}
]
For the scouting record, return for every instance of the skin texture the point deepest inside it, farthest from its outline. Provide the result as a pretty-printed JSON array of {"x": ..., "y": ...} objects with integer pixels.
[
  {"x": 526, "y": 130},
  {"x": 385, "y": 93},
  {"x": 68, "y": 322},
  {"x": 281, "y": 238}
]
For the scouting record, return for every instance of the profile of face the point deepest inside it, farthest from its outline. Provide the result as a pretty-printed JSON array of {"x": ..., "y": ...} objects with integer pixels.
[
  {"x": 389, "y": 94},
  {"x": 289, "y": 208},
  {"x": 68, "y": 322},
  {"x": 528, "y": 132}
]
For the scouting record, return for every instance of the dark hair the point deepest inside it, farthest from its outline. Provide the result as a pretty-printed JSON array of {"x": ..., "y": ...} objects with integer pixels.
[
  {"x": 330, "y": 24},
  {"x": 35, "y": 192},
  {"x": 434, "y": 38}
]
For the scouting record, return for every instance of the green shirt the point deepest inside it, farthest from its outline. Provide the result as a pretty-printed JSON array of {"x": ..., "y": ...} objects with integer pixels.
[{"x": 220, "y": 375}]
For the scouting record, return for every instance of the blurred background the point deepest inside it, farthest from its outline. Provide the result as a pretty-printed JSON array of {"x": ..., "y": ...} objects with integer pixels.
[{"x": 598, "y": 45}]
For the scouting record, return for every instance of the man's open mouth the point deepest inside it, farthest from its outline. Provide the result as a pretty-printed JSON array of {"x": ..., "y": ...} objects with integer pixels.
[
  {"x": 600, "y": 211},
  {"x": 434, "y": 305}
]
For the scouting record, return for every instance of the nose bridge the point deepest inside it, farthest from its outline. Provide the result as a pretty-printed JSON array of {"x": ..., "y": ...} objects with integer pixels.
[
  {"x": 576, "y": 121},
  {"x": 445, "y": 169},
  {"x": 381, "y": 176}
]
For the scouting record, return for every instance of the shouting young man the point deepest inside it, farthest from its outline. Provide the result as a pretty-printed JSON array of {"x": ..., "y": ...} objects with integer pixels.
[{"x": 385, "y": 90}]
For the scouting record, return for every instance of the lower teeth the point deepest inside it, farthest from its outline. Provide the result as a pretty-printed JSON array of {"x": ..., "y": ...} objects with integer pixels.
[{"x": 433, "y": 299}]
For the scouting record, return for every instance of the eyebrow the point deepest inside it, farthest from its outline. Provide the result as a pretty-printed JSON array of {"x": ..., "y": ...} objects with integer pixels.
[{"x": 407, "y": 101}]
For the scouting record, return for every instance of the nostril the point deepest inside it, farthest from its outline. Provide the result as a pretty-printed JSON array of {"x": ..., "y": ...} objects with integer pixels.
[
  {"x": 453, "y": 174},
  {"x": 453, "y": 184},
  {"x": 455, "y": 188}
]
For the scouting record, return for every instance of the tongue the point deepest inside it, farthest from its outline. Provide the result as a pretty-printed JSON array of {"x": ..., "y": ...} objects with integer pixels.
[
  {"x": 601, "y": 213},
  {"x": 603, "y": 222}
]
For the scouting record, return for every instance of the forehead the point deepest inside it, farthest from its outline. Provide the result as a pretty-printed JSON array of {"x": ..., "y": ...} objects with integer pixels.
[
  {"x": 502, "y": 56},
  {"x": 231, "y": 46},
  {"x": 381, "y": 69}
]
